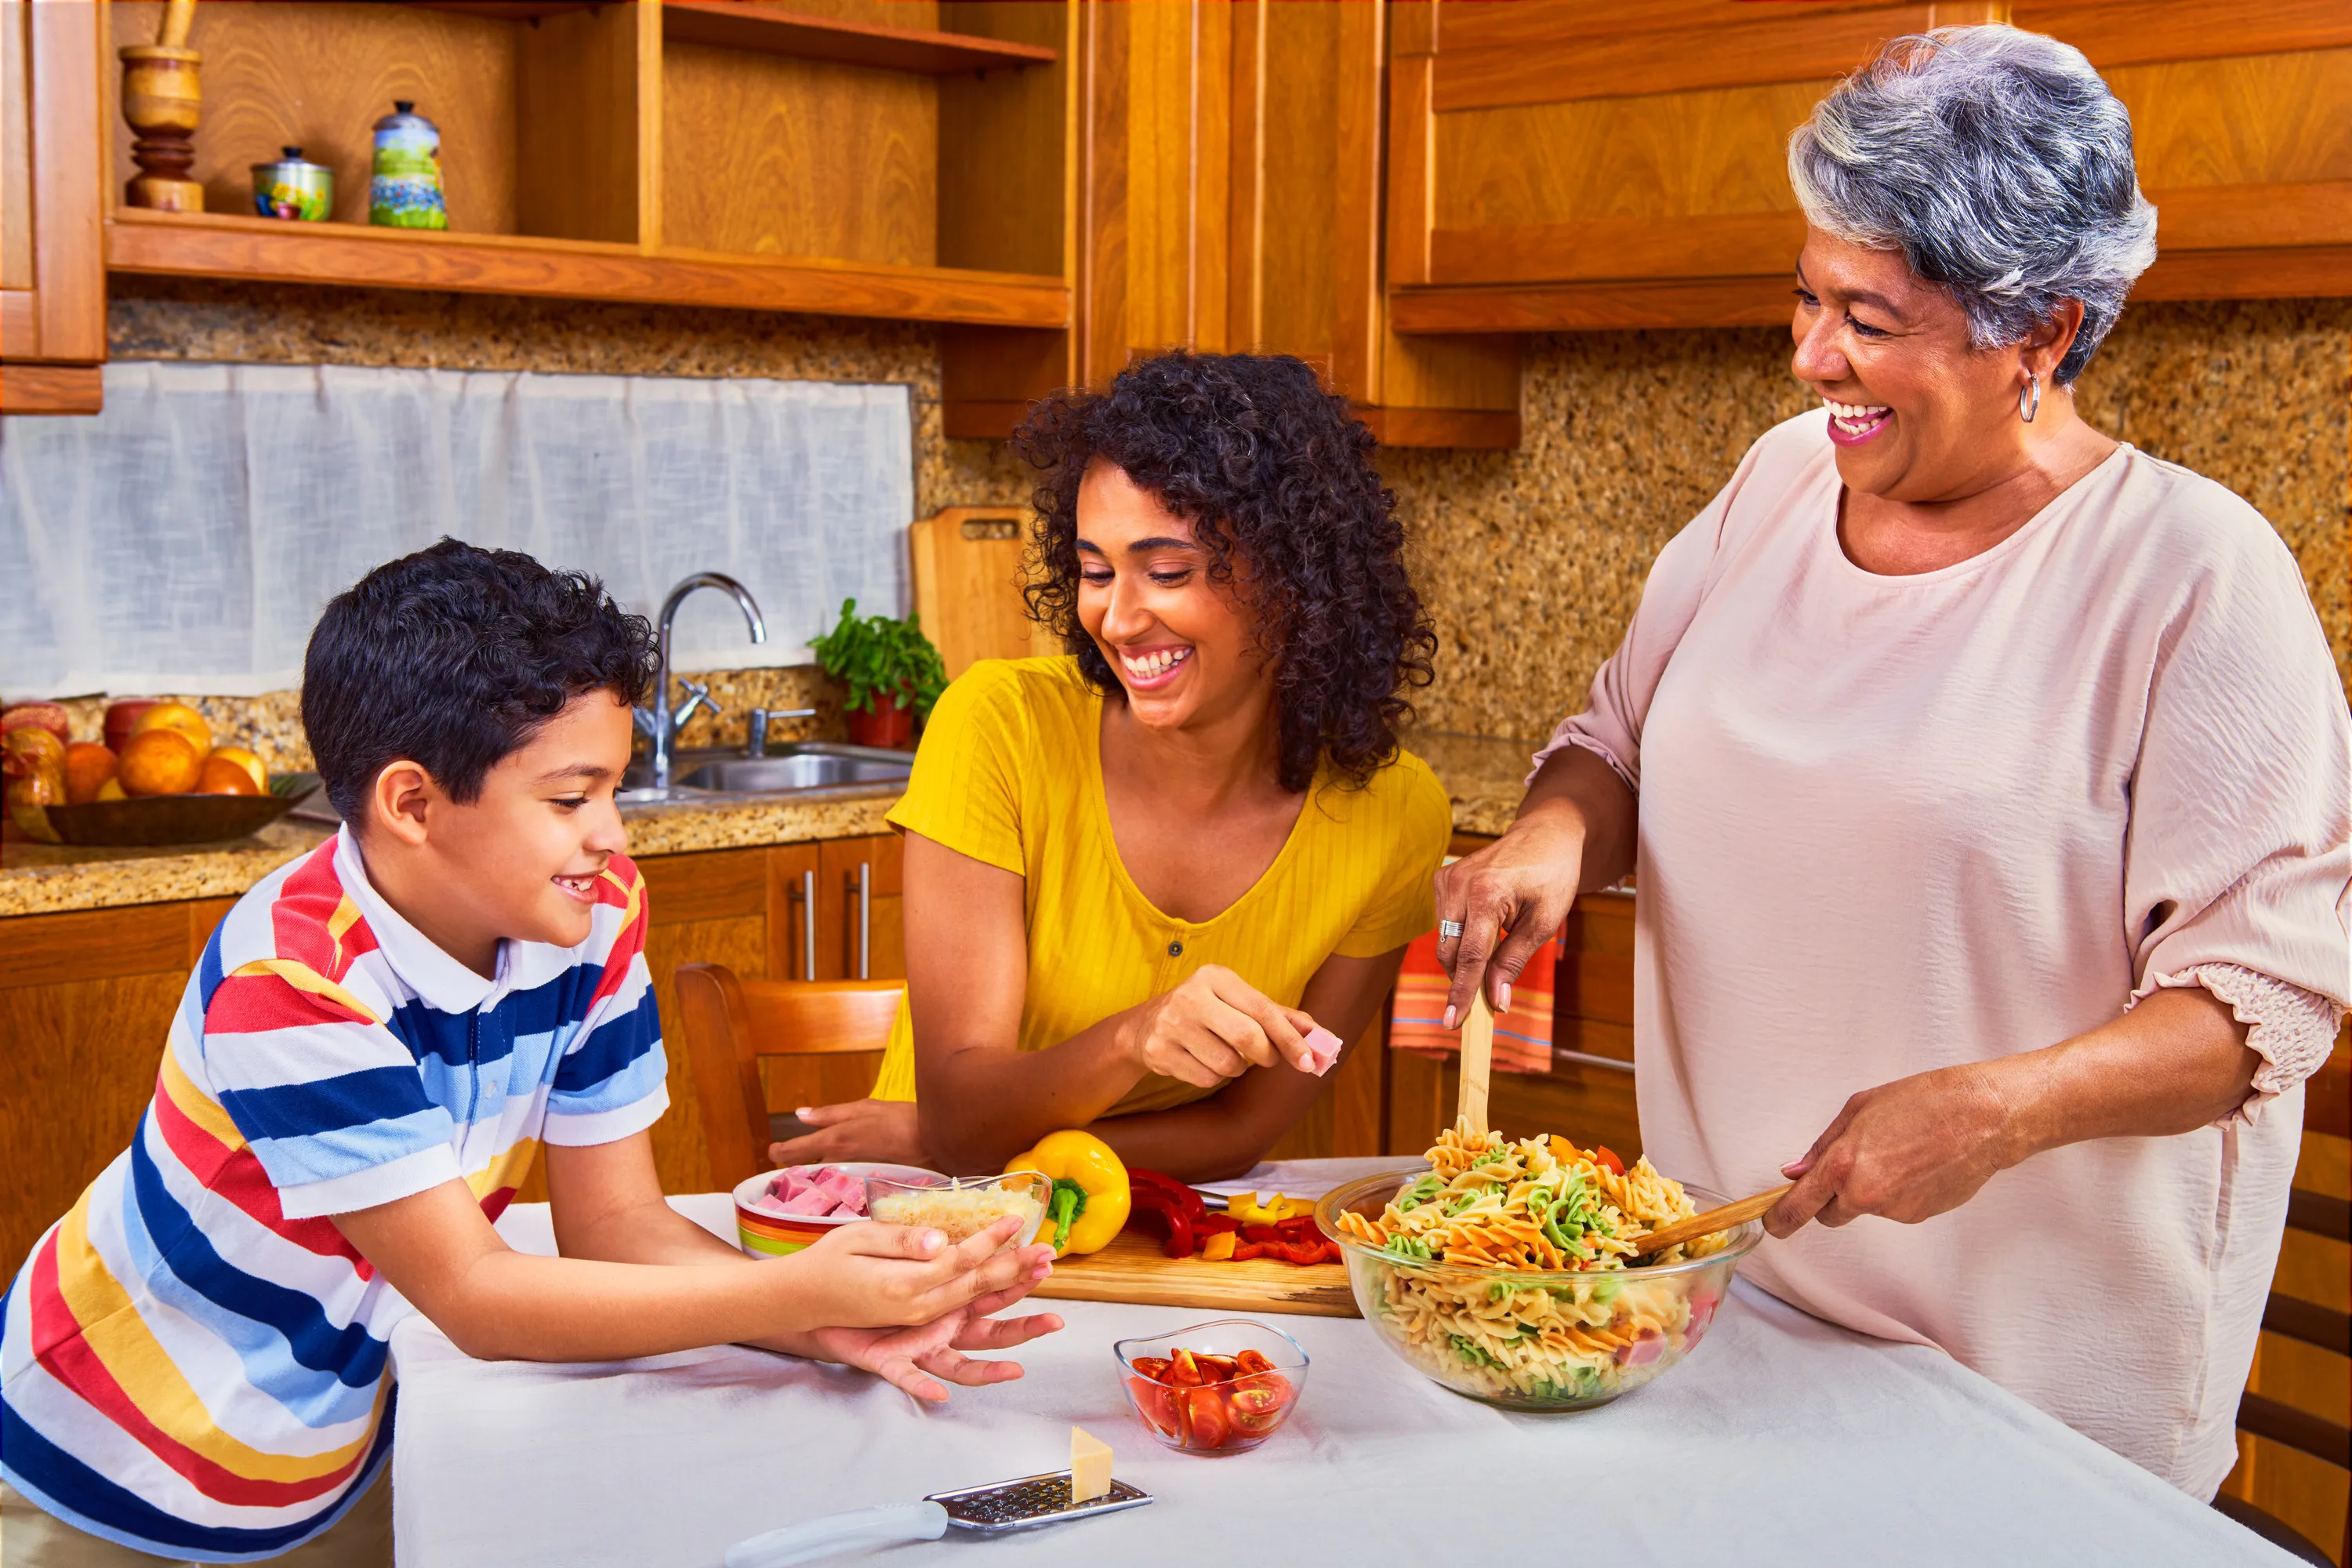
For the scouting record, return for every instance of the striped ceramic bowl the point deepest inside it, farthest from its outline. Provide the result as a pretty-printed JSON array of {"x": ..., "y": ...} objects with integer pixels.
[{"x": 766, "y": 1232}]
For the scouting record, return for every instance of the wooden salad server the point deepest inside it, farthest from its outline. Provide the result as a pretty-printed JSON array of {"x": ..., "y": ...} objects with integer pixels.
[
  {"x": 1710, "y": 1222},
  {"x": 1477, "y": 1060}
]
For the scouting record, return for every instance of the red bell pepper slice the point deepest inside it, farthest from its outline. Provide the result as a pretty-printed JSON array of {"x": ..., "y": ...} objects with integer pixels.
[
  {"x": 1171, "y": 1212},
  {"x": 1606, "y": 1158},
  {"x": 1159, "y": 1181},
  {"x": 1247, "y": 1250}
]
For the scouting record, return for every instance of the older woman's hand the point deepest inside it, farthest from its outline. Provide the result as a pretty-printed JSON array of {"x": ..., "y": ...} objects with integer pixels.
[
  {"x": 1574, "y": 832},
  {"x": 1905, "y": 1150},
  {"x": 1911, "y": 1149},
  {"x": 1509, "y": 898}
]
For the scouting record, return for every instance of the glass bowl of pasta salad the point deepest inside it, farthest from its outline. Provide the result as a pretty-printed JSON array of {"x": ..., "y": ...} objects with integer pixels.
[{"x": 1507, "y": 1271}]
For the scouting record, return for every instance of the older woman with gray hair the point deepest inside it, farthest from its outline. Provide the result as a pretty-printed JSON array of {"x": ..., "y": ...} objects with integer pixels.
[{"x": 1987, "y": 784}]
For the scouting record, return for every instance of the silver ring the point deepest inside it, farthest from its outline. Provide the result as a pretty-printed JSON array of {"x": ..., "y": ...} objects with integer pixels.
[{"x": 1447, "y": 929}]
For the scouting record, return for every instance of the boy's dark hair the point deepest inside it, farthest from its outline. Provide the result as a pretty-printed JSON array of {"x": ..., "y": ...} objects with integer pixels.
[
  {"x": 453, "y": 659},
  {"x": 1267, "y": 466}
]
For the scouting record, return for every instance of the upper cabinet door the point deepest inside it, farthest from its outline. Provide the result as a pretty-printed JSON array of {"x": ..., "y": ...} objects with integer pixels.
[
  {"x": 1561, "y": 165},
  {"x": 52, "y": 271}
]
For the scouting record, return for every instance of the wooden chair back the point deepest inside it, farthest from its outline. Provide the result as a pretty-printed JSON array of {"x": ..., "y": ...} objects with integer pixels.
[
  {"x": 2327, "y": 1110},
  {"x": 833, "y": 1030}
]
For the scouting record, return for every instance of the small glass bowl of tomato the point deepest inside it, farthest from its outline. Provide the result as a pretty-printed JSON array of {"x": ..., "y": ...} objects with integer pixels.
[{"x": 1215, "y": 1388}]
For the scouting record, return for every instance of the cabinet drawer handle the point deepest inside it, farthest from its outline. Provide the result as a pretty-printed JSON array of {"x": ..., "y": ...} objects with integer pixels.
[
  {"x": 808, "y": 925},
  {"x": 864, "y": 920}
]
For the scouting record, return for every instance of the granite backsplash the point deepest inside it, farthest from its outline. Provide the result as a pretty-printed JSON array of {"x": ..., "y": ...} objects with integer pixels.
[{"x": 1627, "y": 434}]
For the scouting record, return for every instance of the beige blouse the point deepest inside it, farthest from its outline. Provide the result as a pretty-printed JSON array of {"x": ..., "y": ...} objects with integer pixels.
[{"x": 1891, "y": 824}]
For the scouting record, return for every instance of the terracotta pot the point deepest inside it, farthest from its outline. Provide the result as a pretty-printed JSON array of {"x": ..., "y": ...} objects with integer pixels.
[{"x": 884, "y": 724}]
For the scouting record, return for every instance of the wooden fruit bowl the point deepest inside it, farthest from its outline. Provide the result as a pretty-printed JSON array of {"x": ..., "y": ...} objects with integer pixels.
[{"x": 159, "y": 819}]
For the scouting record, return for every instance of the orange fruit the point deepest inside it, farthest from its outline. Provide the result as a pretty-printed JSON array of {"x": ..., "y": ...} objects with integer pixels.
[
  {"x": 248, "y": 761},
  {"x": 159, "y": 762},
  {"x": 224, "y": 775},
  {"x": 180, "y": 718},
  {"x": 88, "y": 768}
]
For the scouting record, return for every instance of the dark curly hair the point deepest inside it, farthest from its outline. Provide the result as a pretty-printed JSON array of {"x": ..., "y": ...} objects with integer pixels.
[
  {"x": 454, "y": 657},
  {"x": 1263, "y": 464}
]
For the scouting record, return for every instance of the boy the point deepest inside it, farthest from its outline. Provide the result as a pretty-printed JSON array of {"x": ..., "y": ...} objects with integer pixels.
[{"x": 379, "y": 1039}]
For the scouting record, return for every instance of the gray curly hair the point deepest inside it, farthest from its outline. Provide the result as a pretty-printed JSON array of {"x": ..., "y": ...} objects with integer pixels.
[{"x": 2000, "y": 166}]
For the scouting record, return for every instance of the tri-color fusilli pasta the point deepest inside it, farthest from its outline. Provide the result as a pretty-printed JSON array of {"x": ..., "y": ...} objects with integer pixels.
[{"x": 1579, "y": 1329}]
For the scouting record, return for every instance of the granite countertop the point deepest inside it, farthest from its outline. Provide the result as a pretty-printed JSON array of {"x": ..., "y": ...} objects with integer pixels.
[{"x": 1481, "y": 774}]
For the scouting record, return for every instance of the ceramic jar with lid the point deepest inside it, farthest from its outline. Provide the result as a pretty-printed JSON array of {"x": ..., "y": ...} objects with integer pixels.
[
  {"x": 294, "y": 187},
  {"x": 406, "y": 191}
]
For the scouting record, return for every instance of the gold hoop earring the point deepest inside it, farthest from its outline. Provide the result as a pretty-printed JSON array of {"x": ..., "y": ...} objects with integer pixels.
[{"x": 2029, "y": 397}]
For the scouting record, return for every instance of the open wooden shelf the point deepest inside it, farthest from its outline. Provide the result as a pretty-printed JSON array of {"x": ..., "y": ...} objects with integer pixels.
[
  {"x": 779, "y": 30},
  {"x": 257, "y": 249}
]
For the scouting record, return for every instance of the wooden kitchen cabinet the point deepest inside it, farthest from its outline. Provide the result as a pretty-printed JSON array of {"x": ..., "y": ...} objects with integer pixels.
[
  {"x": 1231, "y": 192},
  {"x": 86, "y": 1003},
  {"x": 52, "y": 276},
  {"x": 863, "y": 158},
  {"x": 1556, "y": 166}
]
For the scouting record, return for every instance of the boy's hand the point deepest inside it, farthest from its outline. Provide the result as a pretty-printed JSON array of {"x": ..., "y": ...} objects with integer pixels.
[
  {"x": 907, "y": 1358},
  {"x": 888, "y": 1275}
]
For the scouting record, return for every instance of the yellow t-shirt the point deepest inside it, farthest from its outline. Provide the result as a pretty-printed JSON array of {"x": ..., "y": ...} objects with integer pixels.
[{"x": 1009, "y": 773}]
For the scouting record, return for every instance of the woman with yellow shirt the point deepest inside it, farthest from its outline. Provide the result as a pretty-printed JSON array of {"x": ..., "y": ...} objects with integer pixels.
[{"x": 1137, "y": 875}]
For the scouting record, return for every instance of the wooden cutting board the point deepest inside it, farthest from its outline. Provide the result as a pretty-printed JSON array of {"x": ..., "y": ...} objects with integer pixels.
[
  {"x": 968, "y": 576},
  {"x": 1132, "y": 1269}
]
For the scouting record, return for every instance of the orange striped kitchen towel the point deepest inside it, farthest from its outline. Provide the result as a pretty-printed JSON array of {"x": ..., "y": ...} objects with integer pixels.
[{"x": 1522, "y": 1036}]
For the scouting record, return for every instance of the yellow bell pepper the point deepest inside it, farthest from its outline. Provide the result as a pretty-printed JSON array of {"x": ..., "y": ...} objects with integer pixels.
[
  {"x": 1246, "y": 1209},
  {"x": 1090, "y": 1199}
]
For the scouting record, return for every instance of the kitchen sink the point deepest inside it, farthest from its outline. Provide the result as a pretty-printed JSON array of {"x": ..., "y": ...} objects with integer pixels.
[{"x": 791, "y": 769}]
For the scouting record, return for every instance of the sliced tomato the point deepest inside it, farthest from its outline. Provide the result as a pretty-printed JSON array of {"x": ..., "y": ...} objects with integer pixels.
[
  {"x": 1154, "y": 1367},
  {"x": 1252, "y": 1361},
  {"x": 1218, "y": 1368},
  {"x": 1258, "y": 1409},
  {"x": 1606, "y": 1158},
  {"x": 1207, "y": 1422},
  {"x": 1156, "y": 1402},
  {"x": 1184, "y": 1372}
]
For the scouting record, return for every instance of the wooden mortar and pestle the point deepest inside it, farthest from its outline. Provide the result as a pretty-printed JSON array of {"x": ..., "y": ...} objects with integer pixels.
[{"x": 161, "y": 97}]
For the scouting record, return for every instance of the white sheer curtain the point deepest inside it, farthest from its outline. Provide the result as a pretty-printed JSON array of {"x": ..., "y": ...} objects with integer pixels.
[{"x": 186, "y": 538}]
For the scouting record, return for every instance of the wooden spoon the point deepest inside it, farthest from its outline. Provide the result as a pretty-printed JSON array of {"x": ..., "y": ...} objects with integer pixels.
[
  {"x": 1710, "y": 1222},
  {"x": 1477, "y": 1060}
]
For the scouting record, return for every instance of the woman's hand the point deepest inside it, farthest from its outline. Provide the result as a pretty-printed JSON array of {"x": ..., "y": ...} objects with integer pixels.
[
  {"x": 1214, "y": 1027},
  {"x": 1912, "y": 1149},
  {"x": 882, "y": 1129},
  {"x": 1574, "y": 832},
  {"x": 916, "y": 1359},
  {"x": 1510, "y": 897},
  {"x": 1905, "y": 1150}
]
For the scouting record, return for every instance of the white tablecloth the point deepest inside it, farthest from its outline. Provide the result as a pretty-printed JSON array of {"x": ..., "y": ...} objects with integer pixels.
[{"x": 1794, "y": 1442}]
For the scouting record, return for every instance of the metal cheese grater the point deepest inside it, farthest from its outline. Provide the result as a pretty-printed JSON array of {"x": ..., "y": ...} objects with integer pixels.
[
  {"x": 992, "y": 1510},
  {"x": 1031, "y": 1501}
]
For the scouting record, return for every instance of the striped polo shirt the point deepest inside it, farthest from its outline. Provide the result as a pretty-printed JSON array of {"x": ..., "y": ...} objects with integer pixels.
[{"x": 194, "y": 1357}]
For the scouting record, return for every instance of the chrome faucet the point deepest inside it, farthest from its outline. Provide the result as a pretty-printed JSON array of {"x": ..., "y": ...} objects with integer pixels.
[{"x": 661, "y": 723}]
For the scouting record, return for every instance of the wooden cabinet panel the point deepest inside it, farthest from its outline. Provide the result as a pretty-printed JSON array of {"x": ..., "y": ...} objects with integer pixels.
[
  {"x": 52, "y": 277},
  {"x": 1562, "y": 167},
  {"x": 740, "y": 942},
  {"x": 860, "y": 899},
  {"x": 77, "y": 1072}
]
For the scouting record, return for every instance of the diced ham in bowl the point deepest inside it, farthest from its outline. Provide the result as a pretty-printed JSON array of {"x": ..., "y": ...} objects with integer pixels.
[{"x": 780, "y": 1212}]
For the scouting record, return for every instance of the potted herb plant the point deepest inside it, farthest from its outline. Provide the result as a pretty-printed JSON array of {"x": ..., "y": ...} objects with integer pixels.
[{"x": 893, "y": 673}]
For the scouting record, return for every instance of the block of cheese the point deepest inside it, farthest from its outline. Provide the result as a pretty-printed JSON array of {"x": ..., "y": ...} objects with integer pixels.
[{"x": 1089, "y": 1466}]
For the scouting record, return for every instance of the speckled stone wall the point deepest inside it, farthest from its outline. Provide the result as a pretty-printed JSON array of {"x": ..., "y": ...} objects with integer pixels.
[{"x": 1532, "y": 561}]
